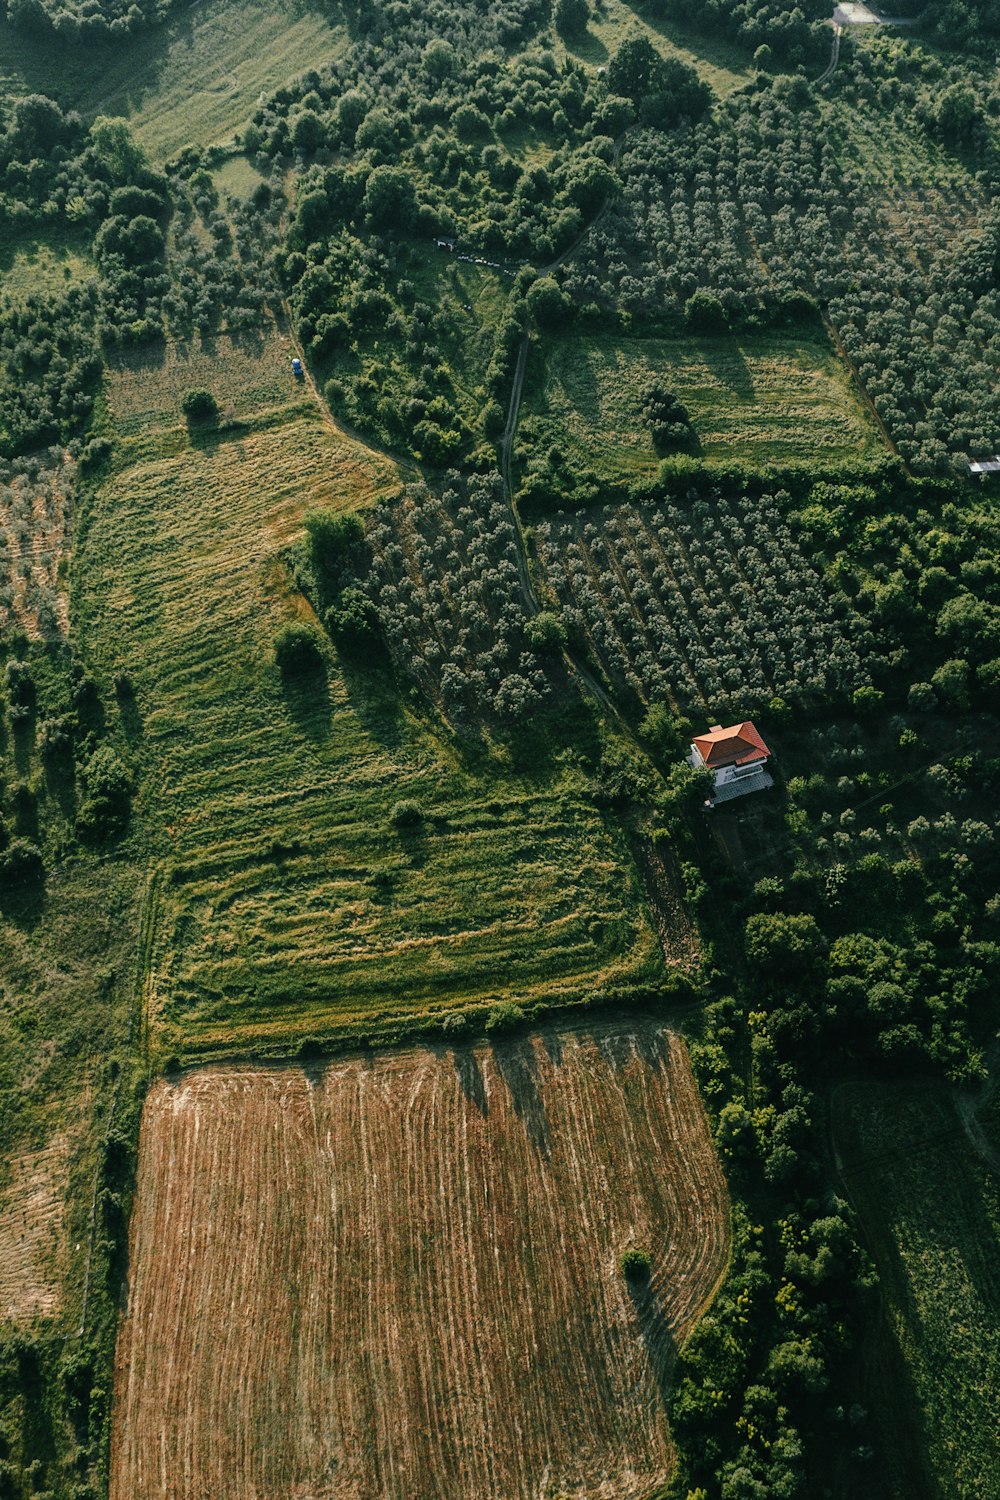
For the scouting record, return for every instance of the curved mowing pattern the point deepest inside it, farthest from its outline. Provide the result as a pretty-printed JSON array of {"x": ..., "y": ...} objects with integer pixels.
[{"x": 401, "y": 1278}]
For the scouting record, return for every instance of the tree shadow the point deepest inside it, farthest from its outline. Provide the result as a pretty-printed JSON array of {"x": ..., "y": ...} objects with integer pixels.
[
  {"x": 720, "y": 53},
  {"x": 734, "y": 372},
  {"x": 60, "y": 783},
  {"x": 37, "y": 1433},
  {"x": 130, "y": 718},
  {"x": 657, "y": 1335},
  {"x": 470, "y": 1076},
  {"x": 24, "y": 903},
  {"x": 589, "y": 49},
  {"x": 307, "y": 698},
  {"x": 518, "y": 1067},
  {"x": 374, "y": 694}
]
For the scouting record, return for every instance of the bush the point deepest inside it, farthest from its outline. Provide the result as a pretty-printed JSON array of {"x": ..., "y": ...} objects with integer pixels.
[
  {"x": 406, "y": 814},
  {"x": 505, "y": 1017},
  {"x": 333, "y": 538},
  {"x": 20, "y": 864},
  {"x": 20, "y": 684},
  {"x": 105, "y": 809},
  {"x": 298, "y": 650},
  {"x": 199, "y": 406},
  {"x": 636, "y": 1265}
]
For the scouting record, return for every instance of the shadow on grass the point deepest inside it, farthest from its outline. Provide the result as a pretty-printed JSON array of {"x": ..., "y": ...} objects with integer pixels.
[
  {"x": 374, "y": 694},
  {"x": 588, "y": 48},
  {"x": 60, "y": 783},
  {"x": 307, "y": 697},
  {"x": 716, "y": 51},
  {"x": 130, "y": 718},
  {"x": 24, "y": 903},
  {"x": 22, "y": 733}
]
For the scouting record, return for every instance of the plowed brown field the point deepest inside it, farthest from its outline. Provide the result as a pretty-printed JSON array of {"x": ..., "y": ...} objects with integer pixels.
[{"x": 400, "y": 1277}]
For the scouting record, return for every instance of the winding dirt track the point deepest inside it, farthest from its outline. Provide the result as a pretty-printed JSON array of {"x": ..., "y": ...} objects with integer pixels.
[{"x": 400, "y": 1278}]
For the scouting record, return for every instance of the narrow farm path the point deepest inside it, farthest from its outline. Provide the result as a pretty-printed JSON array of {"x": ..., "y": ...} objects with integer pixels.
[
  {"x": 831, "y": 66},
  {"x": 286, "y": 327}
]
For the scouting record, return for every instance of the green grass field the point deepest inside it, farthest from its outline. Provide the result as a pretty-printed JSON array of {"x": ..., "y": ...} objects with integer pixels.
[
  {"x": 248, "y": 375},
  {"x": 193, "y": 80},
  {"x": 29, "y": 263},
  {"x": 290, "y": 905},
  {"x": 930, "y": 1210},
  {"x": 722, "y": 65},
  {"x": 759, "y": 400}
]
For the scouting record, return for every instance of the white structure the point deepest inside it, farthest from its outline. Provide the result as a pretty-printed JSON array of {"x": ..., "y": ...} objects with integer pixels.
[{"x": 737, "y": 758}]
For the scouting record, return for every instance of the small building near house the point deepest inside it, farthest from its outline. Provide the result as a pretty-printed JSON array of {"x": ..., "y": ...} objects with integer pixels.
[
  {"x": 737, "y": 758},
  {"x": 986, "y": 465}
]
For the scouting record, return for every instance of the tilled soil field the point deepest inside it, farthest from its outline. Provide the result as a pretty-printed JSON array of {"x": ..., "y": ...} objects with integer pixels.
[{"x": 400, "y": 1277}]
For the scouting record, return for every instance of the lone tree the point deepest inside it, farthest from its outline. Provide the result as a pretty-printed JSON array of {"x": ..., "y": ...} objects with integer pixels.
[
  {"x": 571, "y": 17},
  {"x": 298, "y": 650},
  {"x": 199, "y": 406}
]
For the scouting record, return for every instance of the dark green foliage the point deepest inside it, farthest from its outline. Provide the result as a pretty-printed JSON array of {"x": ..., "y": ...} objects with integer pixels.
[
  {"x": 335, "y": 539},
  {"x": 664, "y": 90},
  {"x": 635, "y": 1266},
  {"x": 104, "y": 810},
  {"x": 77, "y": 21},
  {"x": 504, "y": 1018},
  {"x": 571, "y": 17},
  {"x": 199, "y": 406},
  {"x": 298, "y": 650},
  {"x": 668, "y": 419},
  {"x": 407, "y": 814},
  {"x": 20, "y": 866}
]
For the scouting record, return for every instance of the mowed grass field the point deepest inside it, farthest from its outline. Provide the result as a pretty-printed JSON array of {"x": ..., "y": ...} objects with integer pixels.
[
  {"x": 759, "y": 400},
  {"x": 194, "y": 80},
  {"x": 930, "y": 1210},
  {"x": 401, "y": 1277},
  {"x": 291, "y": 907}
]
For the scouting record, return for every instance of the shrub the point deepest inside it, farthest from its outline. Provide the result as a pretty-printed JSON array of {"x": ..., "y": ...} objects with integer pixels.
[
  {"x": 298, "y": 650},
  {"x": 505, "y": 1017},
  {"x": 20, "y": 684},
  {"x": 455, "y": 1023},
  {"x": 351, "y": 621},
  {"x": 20, "y": 864},
  {"x": 333, "y": 537},
  {"x": 406, "y": 814},
  {"x": 636, "y": 1265},
  {"x": 199, "y": 406},
  {"x": 105, "y": 808}
]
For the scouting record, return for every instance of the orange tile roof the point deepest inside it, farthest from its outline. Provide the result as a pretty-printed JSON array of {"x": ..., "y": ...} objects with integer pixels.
[{"x": 735, "y": 746}]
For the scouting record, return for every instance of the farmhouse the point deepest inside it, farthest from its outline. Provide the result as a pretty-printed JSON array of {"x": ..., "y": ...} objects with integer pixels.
[{"x": 737, "y": 758}]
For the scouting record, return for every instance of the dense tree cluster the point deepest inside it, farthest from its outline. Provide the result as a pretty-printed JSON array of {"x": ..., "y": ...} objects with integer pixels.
[
  {"x": 755, "y": 218},
  {"x": 705, "y": 602},
  {"x": 444, "y": 581},
  {"x": 791, "y": 30},
  {"x": 84, "y": 20},
  {"x": 429, "y": 139}
]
